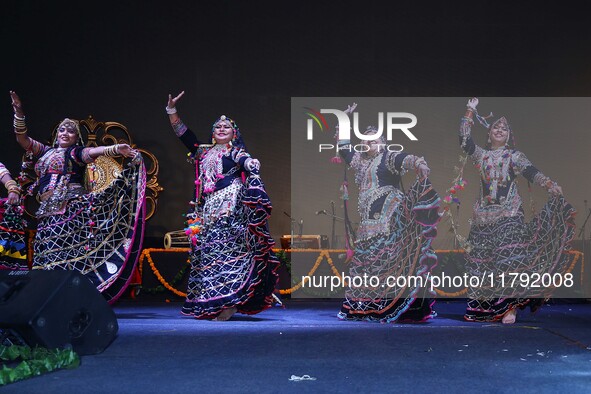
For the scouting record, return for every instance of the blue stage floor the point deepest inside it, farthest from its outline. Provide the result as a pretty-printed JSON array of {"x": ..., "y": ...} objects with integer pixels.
[{"x": 160, "y": 351}]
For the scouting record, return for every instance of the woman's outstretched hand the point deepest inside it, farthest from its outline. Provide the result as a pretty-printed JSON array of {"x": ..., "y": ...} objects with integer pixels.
[
  {"x": 17, "y": 105},
  {"x": 350, "y": 108},
  {"x": 127, "y": 151},
  {"x": 423, "y": 171},
  {"x": 555, "y": 190},
  {"x": 472, "y": 103},
  {"x": 172, "y": 101},
  {"x": 13, "y": 198},
  {"x": 252, "y": 164}
]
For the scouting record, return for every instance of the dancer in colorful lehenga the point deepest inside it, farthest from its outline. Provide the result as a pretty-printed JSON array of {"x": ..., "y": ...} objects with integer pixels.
[
  {"x": 500, "y": 242},
  {"x": 98, "y": 234},
  {"x": 13, "y": 248},
  {"x": 233, "y": 267},
  {"x": 394, "y": 237}
]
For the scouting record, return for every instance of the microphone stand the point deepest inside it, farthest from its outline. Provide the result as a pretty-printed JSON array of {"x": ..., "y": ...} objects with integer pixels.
[
  {"x": 291, "y": 228},
  {"x": 582, "y": 234},
  {"x": 335, "y": 218},
  {"x": 333, "y": 239},
  {"x": 456, "y": 225},
  {"x": 301, "y": 232}
]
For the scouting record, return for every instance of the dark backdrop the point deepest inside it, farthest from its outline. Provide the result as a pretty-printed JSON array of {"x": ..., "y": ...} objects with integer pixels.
[{"x": 119, "y": 60}]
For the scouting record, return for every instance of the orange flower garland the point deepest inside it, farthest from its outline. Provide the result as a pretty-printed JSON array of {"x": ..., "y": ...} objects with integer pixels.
[
  {"x": 146, "y": 255},
  {"x": 323, "y": 253}
]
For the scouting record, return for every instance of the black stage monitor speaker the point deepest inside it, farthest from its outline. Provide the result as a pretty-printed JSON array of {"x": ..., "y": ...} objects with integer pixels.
[{"x": 56, "y": 309}]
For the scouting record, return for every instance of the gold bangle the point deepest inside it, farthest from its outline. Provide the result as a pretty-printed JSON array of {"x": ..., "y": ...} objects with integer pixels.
[
  {"x": 111, "y": 150},
  {"x": 22, "y": 132}
]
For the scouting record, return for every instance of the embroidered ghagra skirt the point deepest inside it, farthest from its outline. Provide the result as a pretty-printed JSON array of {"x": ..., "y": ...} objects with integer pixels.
[
  {"x": 99, "y": 234},
  {"x": 510, "y": 247},
  {"x": 232, "y": 262},
  {"x": 405, "y": 253},
  {"x": 13, "y": 248}
]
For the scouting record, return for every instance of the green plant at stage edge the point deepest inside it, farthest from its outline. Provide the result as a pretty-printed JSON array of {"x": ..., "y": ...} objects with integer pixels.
[{"x": 35, "y": 361}]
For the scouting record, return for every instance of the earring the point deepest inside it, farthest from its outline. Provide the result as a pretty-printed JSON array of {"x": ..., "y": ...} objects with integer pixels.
[
  {"x": 489, "y": 141},
  {"x": 213, "y": 141}
]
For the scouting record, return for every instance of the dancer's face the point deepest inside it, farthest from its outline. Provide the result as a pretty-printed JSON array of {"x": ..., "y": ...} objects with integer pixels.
[
  {"x": 374, "y": 145},
  {"x": 67, "y": 135},
  {"x": 499, "y": 133},
  {"x": 223, "y": 132}
]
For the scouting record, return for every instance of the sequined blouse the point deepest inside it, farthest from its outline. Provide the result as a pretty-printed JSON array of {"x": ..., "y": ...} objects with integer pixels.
[
  {"x": 498, "y": 171},
  {"x": 52, "y": 164},
  {"x": 220, "y": 175},
  {"x": 378, "y": 178}
]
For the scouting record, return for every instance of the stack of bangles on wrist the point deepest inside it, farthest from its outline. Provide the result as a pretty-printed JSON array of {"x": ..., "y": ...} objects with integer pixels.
[
  {"x": 20, "y": 126},
  {"x": 12, "y": 187},
  {"x": 112, "y": 150},
  {"x": 544, "y": 181},
  {"x": 3, "y": 171},
  {"x": 550, "y": 184},
  {"x": 170, "y": 111}
]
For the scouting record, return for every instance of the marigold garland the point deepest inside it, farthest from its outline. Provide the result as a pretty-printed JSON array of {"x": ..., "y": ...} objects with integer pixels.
[
  {"x": 146, "y": 255},
  {"x": 582, "y": 255},
  {"x": 160, "y": 288},
  {"x": 572, "y": 265},
  {"x": 323, "y": 253},
  {"x": 451, "y": 295}
]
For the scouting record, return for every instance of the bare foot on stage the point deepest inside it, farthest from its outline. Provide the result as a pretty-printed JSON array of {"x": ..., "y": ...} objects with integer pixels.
[
  {"x": 226, "y": 314},
  {"x": 510, "y": 317}
]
